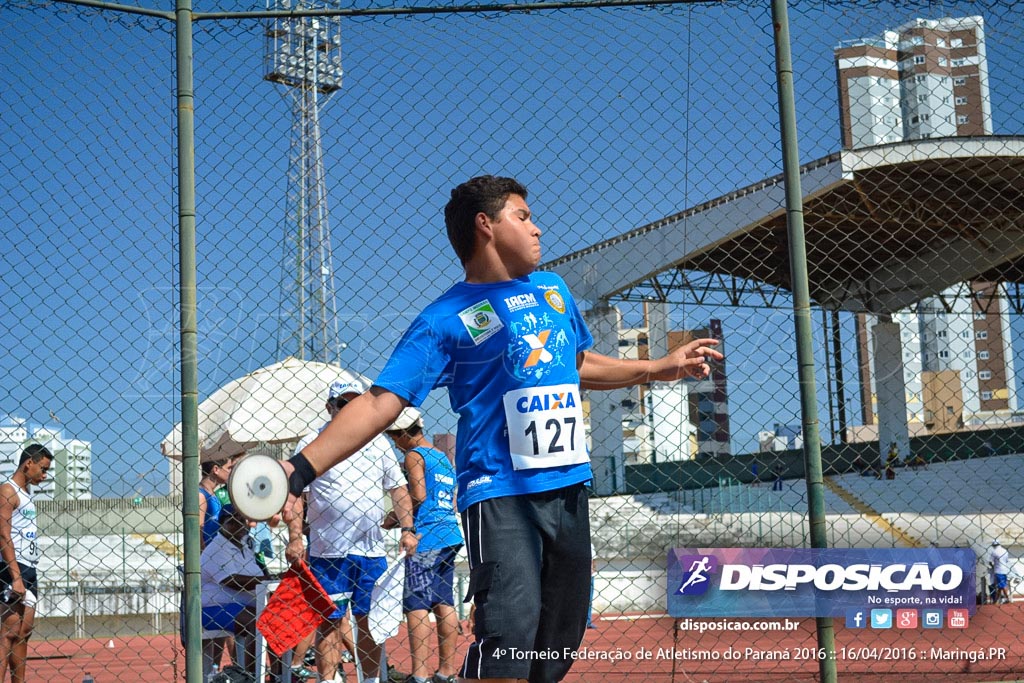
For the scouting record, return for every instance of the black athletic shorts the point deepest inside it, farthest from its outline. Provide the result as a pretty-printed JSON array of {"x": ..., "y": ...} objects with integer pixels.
[
  {"x": 529, "y": 561},
  {"x": 28, "y": 577}
]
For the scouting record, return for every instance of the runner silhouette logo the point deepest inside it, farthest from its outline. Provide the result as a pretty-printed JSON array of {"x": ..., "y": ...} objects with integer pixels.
[{"x": 697, "y": 571}]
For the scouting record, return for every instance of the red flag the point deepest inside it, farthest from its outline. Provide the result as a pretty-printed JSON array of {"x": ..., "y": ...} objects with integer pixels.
[{"x": 298, "y": 606}]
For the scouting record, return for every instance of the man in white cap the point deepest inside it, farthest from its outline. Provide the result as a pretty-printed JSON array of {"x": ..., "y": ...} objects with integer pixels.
[
  {"x": 999, "y": 562},
  {"x": 345, "y": 510}
]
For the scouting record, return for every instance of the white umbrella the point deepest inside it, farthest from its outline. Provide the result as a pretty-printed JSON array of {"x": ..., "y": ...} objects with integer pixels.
[{"x": 276, "y": 404}]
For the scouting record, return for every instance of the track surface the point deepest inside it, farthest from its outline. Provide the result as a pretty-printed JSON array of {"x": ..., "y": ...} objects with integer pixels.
[{"x": 872, "y": 655}]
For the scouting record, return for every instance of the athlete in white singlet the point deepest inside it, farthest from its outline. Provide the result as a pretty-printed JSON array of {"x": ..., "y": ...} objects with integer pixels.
[{"x": 19, "y": 554}]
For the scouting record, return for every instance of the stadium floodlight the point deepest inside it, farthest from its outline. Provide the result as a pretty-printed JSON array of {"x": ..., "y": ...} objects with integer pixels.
[{"x": 303, "y": 53}]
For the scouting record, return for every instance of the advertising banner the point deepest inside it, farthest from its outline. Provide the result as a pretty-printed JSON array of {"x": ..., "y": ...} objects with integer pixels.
[{"x": 866, "y": 586}]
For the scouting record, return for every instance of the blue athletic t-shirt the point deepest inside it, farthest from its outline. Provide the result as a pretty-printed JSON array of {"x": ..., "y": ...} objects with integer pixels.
[
  {"x": 211, "y": 523},
  {"x": 436, "y": 521},
  {"x": 506, "y": 352}
]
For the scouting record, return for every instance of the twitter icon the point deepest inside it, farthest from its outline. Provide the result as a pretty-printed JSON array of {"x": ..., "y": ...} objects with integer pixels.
[{"x": 881, "y": 618}]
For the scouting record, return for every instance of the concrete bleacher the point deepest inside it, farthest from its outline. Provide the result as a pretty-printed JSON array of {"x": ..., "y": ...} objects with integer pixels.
[
  {"x": 732, "y": 496},
  {"x": 647, "y": 525},
  {"x": 961, "y": 503},
  {"x": 122, "y": 559},
  {"x": 111, "y": 584},
  {"x": 958, "y": 487}
]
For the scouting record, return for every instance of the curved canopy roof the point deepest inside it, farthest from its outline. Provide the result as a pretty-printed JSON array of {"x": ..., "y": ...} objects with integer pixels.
[{"x": 885, "y": 227}]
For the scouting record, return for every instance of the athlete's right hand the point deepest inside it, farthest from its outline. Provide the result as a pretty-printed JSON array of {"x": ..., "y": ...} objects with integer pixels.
[
  {"x": 289, "y": 512},
  {"x": 295, "y": 551}
]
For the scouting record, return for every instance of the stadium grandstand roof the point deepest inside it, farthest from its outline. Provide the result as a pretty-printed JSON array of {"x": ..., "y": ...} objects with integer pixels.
[{"x": 885, "y": 227}]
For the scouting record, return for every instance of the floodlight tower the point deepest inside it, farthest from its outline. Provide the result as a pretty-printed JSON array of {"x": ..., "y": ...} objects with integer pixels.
[{"x": 303, "y": 53}]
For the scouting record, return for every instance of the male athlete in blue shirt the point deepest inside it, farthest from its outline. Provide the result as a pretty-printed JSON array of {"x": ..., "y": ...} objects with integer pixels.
[{"x": 512, "y": 349}]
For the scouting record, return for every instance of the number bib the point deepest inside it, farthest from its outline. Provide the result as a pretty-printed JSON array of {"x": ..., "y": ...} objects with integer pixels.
[
  {"x": 545, "y": 427},
  {"x": 30, "y": 547}
]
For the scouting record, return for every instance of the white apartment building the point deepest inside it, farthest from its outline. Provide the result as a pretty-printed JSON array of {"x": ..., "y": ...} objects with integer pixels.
[
  {"x": 963, "y": 341},
  {"x": 71, "y": 474},
  {"x": 679, "y": 420}
]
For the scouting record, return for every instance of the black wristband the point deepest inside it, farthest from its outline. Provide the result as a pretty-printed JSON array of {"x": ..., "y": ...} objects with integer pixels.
[
  {"x": 303, "y": 475},
  {"x": 410, "y": 529}
]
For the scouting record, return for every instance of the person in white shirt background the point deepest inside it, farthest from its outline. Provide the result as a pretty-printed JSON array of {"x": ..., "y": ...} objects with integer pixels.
[
  {"x": 344, "y": 513},
  {"x": 999, "y": 563}
]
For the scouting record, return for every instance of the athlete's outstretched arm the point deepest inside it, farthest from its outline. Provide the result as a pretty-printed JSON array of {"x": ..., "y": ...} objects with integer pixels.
[
  {"x": 689, "y": 360},
  {"x": 363, "y": 418}
]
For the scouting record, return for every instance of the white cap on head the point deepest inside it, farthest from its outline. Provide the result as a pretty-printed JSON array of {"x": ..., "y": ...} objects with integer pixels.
[
  {"x": 410, "y": 417},
  {"x": 341, "y": 388}
]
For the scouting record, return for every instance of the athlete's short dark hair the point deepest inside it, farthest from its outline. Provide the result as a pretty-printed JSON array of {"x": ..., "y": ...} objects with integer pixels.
[
  {"x": 34, "y": 452},
  {"x": 487, "y": 194},
  {"x": 206, "y": 466}
]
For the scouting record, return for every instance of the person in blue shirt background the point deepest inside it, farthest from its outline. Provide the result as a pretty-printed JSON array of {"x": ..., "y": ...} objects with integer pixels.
[
  {"x": 212, "y": 498},
  {"x": 215, "y": 475},
  {"x": 512, "y": 349},
  {"x": 430, "y": 573}
]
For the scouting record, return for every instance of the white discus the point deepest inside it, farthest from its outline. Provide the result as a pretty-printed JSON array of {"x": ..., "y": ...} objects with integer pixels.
[{"x": 258, "y": 487}]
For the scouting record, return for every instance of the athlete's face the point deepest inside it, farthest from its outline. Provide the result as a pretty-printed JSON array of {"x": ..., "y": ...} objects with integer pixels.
[
  {"x": 221, "y": 472},
  {"x": 35, "y": 471},
  {"x": 516, "y": 238}
]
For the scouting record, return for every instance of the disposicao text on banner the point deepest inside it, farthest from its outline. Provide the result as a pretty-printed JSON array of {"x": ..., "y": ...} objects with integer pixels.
[{"x": 816, "y": 582}]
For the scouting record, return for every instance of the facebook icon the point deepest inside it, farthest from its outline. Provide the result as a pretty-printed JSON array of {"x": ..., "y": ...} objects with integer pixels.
[{"x": 855, "y": 618}]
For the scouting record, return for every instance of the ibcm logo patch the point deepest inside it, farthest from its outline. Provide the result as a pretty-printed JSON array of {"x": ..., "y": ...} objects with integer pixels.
[{"x": 697, "y": 571}]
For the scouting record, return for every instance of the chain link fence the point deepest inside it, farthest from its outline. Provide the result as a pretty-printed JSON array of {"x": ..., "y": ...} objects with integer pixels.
[{"x": 648, "y": 136}]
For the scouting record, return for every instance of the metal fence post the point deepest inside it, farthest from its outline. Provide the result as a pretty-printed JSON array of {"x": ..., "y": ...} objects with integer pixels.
[
  {"x": 802, "y": 315},
  {"x": 189, "y": 370}
]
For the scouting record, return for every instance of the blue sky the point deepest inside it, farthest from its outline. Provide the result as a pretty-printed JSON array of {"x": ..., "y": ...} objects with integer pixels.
[{"x": 614, "y": 118}]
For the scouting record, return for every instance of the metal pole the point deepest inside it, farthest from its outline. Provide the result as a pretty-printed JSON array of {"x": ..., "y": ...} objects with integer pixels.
[
  {"x": 837, "y": 355},
  {"x": 802, "y": 315},
  {"x": 192, "y": 598},
  {"x": 828, "y": 375}
]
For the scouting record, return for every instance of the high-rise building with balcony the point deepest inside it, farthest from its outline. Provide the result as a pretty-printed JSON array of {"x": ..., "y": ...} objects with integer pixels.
[
  {"x": 958, "y": 364},
  {"x": 924, "y": 79}
]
